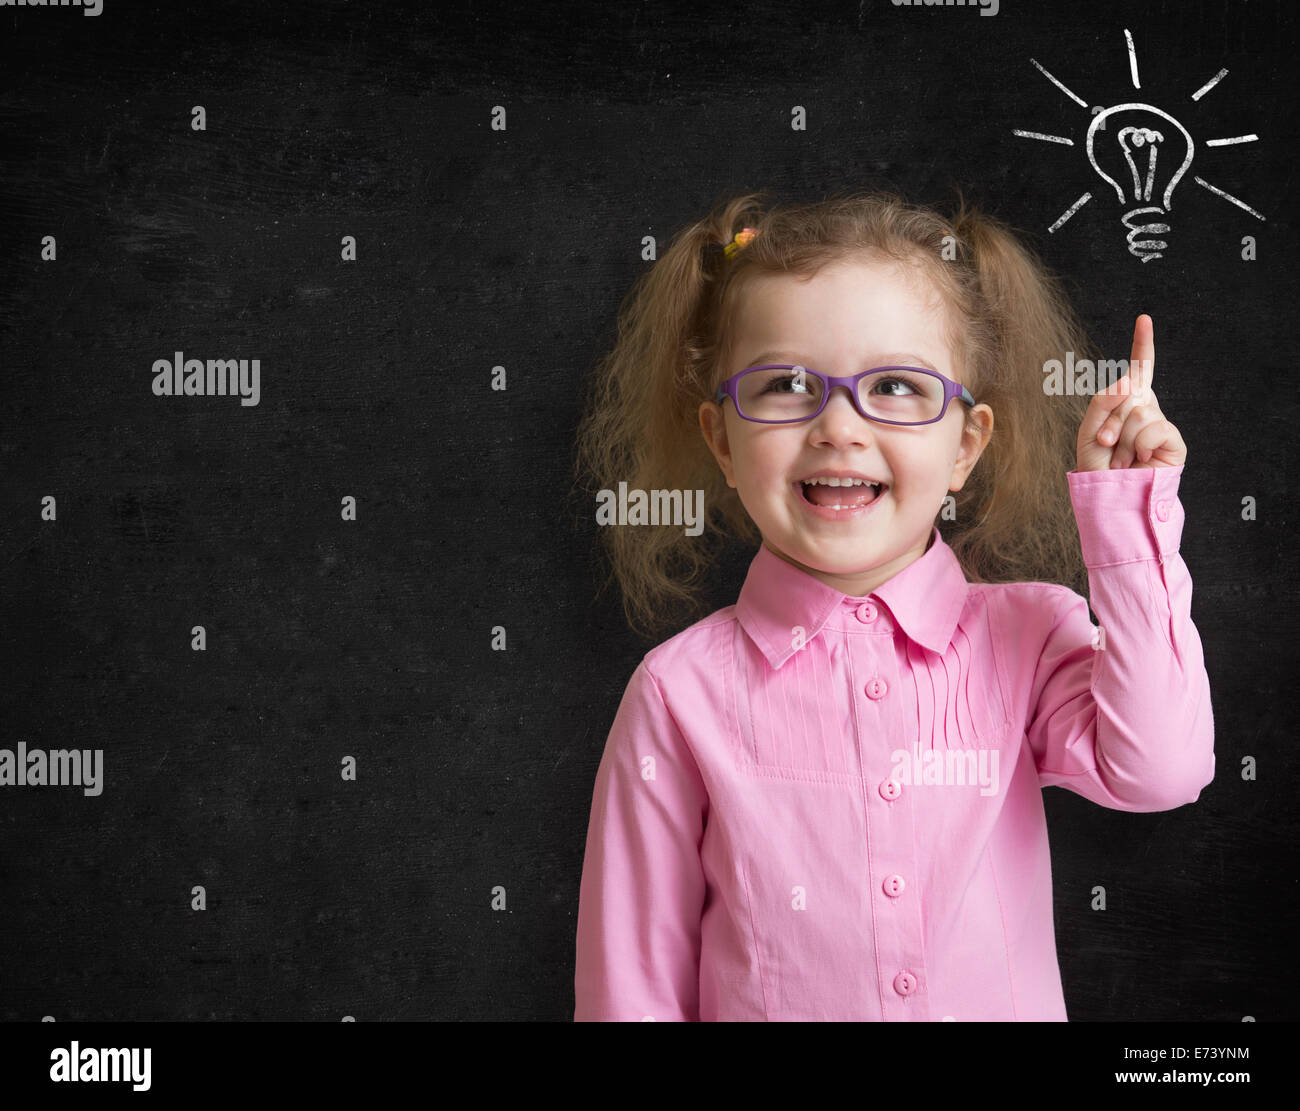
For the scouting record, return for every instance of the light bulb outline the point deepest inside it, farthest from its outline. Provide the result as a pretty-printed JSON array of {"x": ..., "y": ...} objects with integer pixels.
[
  {"x": 1097, "y": 125},
  {"x": 1144, "y": 249}
]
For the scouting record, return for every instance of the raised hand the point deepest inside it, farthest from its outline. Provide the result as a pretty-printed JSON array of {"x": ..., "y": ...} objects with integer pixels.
[{"x": 1123, "y": 425}]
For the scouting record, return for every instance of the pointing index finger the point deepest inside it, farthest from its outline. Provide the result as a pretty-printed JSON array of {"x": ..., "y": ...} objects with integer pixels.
[{"x": 1142, "y": 360}]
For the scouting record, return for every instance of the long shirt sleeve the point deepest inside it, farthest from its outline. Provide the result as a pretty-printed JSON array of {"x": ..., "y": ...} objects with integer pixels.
[
  {"x": 643, "y": 886},
  {"x": 1122, "y": 711}
]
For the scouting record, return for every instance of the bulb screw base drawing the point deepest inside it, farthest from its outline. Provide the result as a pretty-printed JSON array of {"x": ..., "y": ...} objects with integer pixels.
[{"x": 1145, "y": 249}]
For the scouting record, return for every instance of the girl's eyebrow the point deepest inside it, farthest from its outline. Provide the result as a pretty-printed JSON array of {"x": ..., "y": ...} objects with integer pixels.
[{"x": 889, "y": 358}]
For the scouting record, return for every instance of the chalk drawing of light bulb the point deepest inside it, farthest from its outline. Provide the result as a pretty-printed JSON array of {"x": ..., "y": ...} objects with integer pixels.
[
  {"x": 1147, "y": 152},
  {"x": 1142, "y": 152}
]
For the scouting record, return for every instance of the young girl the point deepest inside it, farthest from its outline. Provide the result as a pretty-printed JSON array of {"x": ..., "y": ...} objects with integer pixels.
[{"x": 824, "y": 801}]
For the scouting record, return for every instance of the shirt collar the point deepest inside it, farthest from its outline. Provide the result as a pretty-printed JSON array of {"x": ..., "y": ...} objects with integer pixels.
[{"x": 925, "y": 598}]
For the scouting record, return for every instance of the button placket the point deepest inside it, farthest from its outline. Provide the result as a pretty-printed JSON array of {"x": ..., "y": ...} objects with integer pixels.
[{"x": 891, "y": 856}]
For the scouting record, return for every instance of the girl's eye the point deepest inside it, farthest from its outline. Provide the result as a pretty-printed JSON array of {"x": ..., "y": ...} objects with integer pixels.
[{"x": 896, "y": 381}]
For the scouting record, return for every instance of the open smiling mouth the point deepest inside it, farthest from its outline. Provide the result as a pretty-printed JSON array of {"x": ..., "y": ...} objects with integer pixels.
[{"x": 841, "y": 493}]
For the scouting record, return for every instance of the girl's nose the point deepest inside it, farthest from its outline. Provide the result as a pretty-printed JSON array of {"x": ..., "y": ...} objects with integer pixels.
[{"x": 840, "y": 420}]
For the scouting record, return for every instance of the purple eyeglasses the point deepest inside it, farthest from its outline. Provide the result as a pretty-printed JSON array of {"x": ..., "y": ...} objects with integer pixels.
[{"x": 765, "y": 395}]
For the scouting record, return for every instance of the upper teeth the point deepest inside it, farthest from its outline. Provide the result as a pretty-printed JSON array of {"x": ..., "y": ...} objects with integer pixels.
[{"x": 839, "y": 482}]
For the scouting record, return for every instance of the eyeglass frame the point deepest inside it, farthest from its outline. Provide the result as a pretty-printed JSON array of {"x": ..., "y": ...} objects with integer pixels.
[{"x": 951, "y": 390}]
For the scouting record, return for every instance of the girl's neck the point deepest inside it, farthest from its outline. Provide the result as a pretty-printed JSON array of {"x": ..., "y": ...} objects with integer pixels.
[{"x": 858, "y": 584}]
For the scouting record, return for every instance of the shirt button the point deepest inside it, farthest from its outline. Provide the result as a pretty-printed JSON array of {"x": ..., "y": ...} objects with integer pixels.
[
  {"x": 866, "y": 612},
  {"x": 894, "y": 886},
  {"x": 905, "y": 983},
  {"x": 890, "y": 789},
  {"x": 1162, "y": 510},
  {"x": 876, "y": 688}
]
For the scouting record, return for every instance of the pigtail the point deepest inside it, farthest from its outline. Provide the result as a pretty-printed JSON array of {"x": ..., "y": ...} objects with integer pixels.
[
  {"x": 1019, "y": 522},
  {"x": 641, "y": 422}
]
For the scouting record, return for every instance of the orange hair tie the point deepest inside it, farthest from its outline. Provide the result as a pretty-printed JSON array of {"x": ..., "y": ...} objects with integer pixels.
[{"x": 739, "y": 240}]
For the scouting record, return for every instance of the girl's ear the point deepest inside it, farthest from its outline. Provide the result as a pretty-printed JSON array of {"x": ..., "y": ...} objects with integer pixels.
[
  {"x": 973, "y": 442},
  {"x": 713, "y": 425}
]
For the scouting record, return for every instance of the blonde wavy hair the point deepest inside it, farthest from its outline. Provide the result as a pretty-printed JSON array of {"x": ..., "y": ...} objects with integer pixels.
[{"x": 1007, "y": 316}]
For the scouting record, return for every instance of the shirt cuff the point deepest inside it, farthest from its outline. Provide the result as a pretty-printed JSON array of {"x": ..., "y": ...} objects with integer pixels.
[{"x": 1127, "y": 514}]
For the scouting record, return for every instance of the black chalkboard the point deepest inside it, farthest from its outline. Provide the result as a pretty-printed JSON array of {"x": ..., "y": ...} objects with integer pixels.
[{"x": 330, "y": 636}]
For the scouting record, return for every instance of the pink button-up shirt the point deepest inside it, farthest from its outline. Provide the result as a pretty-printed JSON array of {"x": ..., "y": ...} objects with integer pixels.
[{"x": 813, "y": 806}]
